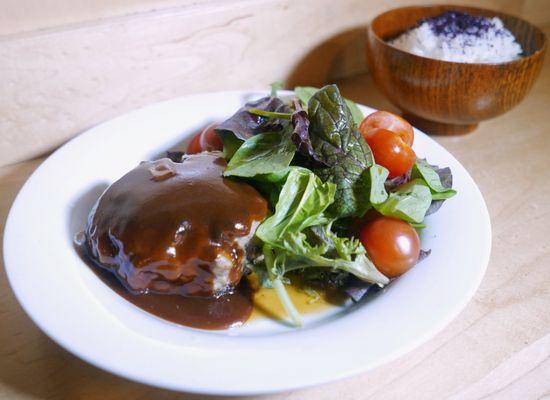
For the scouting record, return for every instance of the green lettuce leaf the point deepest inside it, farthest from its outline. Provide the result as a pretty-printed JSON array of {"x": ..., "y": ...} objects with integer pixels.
[
  {"x": 423, "y": 170},
  {"x": 275, "y": 87},
  {"x": 377, "y": 176},
  {"x": 302, "y": 203},
  {"x": 352, "y": 258},
  {"x": 446, "y": 178},
  {"x": 271, "y": 184},
  {"x": 262, "y": 154},
  {"x": 409, "y": 202}
]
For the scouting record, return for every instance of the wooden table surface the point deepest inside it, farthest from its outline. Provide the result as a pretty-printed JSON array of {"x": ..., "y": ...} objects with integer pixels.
[{"x": 498, "y": 347}]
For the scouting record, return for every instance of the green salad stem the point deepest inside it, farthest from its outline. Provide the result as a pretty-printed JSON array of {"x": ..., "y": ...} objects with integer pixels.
[
  {"x": 287, "y": 303},
  {"x": 278, "y": 285},
  {"x": 269, "y": 114}
]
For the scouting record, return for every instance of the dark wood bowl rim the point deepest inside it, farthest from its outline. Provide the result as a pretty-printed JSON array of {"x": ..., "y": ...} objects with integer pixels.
[{"x": 538, "y": 52}]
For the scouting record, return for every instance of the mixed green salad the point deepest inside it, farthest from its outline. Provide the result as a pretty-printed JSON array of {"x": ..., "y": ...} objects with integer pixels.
[{"x": 346, "y": 192}]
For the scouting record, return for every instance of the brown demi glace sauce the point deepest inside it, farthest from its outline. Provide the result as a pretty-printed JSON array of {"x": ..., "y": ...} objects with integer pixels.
[
  {"x": 228, "y": 310},
  {"x": 155, "y": 237}
]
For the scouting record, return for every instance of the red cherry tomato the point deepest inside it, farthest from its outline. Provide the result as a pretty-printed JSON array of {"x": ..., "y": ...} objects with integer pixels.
[
  {"x": 389, "y": 121},
  {"x": 391, "y": 152},
  {"x": 207, "y": 140},
  {"x": 392, "y": 245},
  {"x": 194, "y": 146}
]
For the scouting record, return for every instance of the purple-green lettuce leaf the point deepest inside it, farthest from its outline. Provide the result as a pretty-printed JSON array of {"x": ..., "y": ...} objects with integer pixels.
[
  {"x": 423, "y": 254},
  {"x": 304, "y": 93},
  {"x": 343, "y": 150},
  {"x": 175, "y": 156},
  {"x": 446, "y": 178},
  {"x": 243, "y": 125},
  {"x": 300, "y": 135},
  {"x": 356, "y": 289},
  {"x": 393, "y": 183}
]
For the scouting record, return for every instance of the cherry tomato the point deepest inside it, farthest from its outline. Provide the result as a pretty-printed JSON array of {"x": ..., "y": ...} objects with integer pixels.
[
  {"x": 389, "y": 121},
  {"x": 207, "y": 140},
  {"x": 194, "y": 146},
  {"x": 392, "y": 245},
  {"x": 391, "y": 152}
]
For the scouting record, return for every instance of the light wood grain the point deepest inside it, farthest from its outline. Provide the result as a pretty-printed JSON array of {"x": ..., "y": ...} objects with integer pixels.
[
  {"x": 498, "y": 348},
  {"x": 17, "y": 16},
  {"x": 60, "y": 81}
]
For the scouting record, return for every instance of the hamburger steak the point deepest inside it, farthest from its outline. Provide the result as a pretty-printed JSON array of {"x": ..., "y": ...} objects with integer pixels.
[{"x": 175, "y": 228}]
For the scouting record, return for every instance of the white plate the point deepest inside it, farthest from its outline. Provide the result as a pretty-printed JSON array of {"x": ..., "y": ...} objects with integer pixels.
[{"x": 73, "y": 307}]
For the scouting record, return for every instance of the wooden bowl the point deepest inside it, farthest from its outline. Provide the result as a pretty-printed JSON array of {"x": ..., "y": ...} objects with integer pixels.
[{"x": 450, "y": 98}]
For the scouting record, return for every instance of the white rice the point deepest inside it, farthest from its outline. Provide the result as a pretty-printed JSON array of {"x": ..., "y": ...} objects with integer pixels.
[{"x": 486, "y": 40}]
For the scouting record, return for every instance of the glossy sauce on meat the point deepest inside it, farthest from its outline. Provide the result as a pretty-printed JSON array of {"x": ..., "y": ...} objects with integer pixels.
[{"x": 175, "y": 228}]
